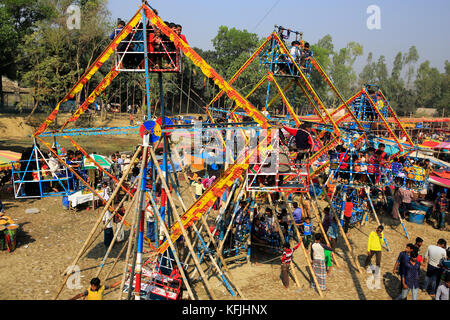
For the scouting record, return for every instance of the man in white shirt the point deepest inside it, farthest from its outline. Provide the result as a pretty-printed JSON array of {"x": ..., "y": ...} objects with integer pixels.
[
  {"x": 295, "y": 51},
  {"x": 108, "y": 232},
  {"x": 150, "y": 218},
  {"x": 433, "y": 256},
  {"x": 106, "y": 192}
]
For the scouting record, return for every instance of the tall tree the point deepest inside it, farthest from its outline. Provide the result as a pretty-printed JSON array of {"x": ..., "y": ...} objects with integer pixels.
[
  {"x": 342, "y": 70},
  {"x": 428, "y": 85},
  {"x": 54, "y": 57},
  {"x": 410, "y": 61},
  {"x": 17, "y": 19},
  {"x": 230, "y": 43},
  {"x": 367, "y": 75}
]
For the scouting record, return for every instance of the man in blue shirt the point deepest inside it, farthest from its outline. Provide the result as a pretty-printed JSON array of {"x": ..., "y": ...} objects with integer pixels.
[
  {"x": 120, "y": 26},
  {"x": 410, "y": 280},
  {"x": 402, "y": 260},
  {"x": 297, "y": 213}
]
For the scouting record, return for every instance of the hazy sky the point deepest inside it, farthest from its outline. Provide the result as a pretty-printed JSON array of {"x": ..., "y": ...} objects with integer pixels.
[{"x": 404, "y": 23}]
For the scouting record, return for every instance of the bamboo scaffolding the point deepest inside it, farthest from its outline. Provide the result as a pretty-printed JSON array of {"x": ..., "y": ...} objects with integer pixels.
[
  {"x": 322, "y": 230},
  {"x": 282, "y": 241},
  {"x": 334, "y": 214},
  {"x": 91, "y": 234},
  {"x": 183, "y": 231}
]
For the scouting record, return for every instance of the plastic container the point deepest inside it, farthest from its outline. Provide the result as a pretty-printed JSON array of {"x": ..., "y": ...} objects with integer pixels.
[
  {"x": 65, "y": 202},
  {"x": 416, "y": 216}
]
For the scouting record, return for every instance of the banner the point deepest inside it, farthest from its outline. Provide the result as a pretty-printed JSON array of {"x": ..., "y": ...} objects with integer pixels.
[
  {"x": 205, "y": 202},
  {"x": 100, "y": 88},
  {"x": 208, "y": 70},
  {"x": 91, "y": 70}
]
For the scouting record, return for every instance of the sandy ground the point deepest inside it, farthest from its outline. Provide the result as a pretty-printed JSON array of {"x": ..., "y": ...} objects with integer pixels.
[{"x": 48, "y": 242}]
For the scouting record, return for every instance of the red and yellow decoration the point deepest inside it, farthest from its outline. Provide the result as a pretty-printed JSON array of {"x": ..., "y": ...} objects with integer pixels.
[
  {"x": 100, "y": 88},
  {"x": 207, "y": 69},
  {"x": 91, "y": 71},
  {"x": 205, "y": 202}
]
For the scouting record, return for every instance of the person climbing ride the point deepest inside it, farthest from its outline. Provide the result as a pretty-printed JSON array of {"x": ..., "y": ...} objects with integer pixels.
[{"x": 303, "y": 140}]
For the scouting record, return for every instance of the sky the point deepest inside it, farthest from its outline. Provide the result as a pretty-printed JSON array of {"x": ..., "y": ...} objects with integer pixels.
[{"x": 403, "y": 23}]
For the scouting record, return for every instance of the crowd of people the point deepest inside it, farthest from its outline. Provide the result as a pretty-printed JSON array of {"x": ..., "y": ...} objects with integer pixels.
[
  {"x": 373, "y": 166},
  {"x": 436, "y": 265},
  {"x": 302, "y": 55}
]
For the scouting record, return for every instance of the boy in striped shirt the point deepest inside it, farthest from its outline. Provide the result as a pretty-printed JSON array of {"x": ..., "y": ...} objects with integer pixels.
[{"x": 286, "y": 262}]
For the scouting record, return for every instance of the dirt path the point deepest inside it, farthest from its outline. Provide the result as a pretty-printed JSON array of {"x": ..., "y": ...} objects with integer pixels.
[{"x": 49, "y": 240}]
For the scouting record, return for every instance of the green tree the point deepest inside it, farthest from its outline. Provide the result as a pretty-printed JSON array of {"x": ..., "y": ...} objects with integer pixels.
[
  {"x": 17, "y": 19},
  {"x": 342, "y": 71},
  {"x": 410, "y": 61},
  {"x": 322, "y": 52},
  {"x": 54, "y": 57},
  {"x": 367, "y": 75},
  {"x": 231, "y": 43},
  {"x": 428, "y": 85},
  {"x": 395, "y": 85}
]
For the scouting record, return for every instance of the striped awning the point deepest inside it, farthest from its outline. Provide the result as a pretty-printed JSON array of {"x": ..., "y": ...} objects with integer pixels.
[{"x": 6, "y": 157}]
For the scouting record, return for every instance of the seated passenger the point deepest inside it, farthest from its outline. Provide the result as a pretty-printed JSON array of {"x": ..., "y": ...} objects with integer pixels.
[
  {"x": 305, "y": 58},
  {"x": 373, "y": 168},
  {"x": 296, "y": 52},
  {"x": 396, "y": 171},
  {"x": 135, "y": 59},
  {"x": 120, "y": 26},
  {"x": 179, "y": 33},
  {"x": 155, "y": 46},
  {"x": 344, "y": 163}
]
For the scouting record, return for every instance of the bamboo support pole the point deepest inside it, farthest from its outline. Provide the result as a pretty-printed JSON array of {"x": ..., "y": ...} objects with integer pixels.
[
  {"x": 128, "y": 210},
  {"x": 183, "y": 231},
  {"x": 106, "y": 222},
  {"x": 230, "y": 225},
  {"x": 205, "y": 225},
  {"x": 375, "y": 215},
  {"x": 305, "y": 253},
  {"x": 322, "y": 230},
  {"x": 91, "y": 234},
  {"x": 282, "y": 241},
  {"x": 131, "y": 238},
  {"x": 127, "y": 257},
  {"x": 401, "y": 219},
  {"x": 334, "y": 214},
  {"x": 223, "y": 209},
  {"x": 249, "y": 239},
  {"x": 220, "y": 256},
  {"x": 174, "y": 251},
  {"x": 115, "y": 261}
]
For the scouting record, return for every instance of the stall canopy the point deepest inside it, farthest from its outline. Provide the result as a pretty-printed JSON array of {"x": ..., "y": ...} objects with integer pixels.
[
  {"x": 103, "y": 161},
  {"x": 440, "y": 181},
  {"x": 436, "y": 144},
  {"x": 6, "y": 157}
]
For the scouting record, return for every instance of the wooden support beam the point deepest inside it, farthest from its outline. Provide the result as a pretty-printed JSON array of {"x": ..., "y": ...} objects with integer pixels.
[
  {"x": 183, "y": 231},
  {"x": 172, "y": 246},
  {"x": 133, "y": 230},
  {"x": 280, "y": 233},
  {"x": 91, "y": 234},
  {"x": 334, "y": 214},
  {"x": 322, "y": 230},
  {"x": 305, "y": 253}
]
